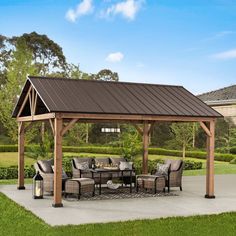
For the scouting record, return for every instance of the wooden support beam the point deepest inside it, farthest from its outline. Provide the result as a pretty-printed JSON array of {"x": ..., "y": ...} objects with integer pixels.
[
  {"x": 210, "y": 162},
  {"x": 57, "y": 163},
  {"x": 68, "y": 126},
  {"x": 204, "y": 127},
  {"x": 45, "y": 116},
  {"x": 145, "y": 147},
  {"x": 134, "y": 117},
  {"x": 21, "y": 150},
  {"x": 52, "y": 126}
]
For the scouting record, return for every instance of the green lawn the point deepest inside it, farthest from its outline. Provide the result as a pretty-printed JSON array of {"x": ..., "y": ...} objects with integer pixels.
[
  {"x": 10, "y": 159},
  {"x": 16, "y": 220}
]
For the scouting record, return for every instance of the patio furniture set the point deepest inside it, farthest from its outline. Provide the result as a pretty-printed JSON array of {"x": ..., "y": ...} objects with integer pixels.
[{"x": 89, "y": 173}]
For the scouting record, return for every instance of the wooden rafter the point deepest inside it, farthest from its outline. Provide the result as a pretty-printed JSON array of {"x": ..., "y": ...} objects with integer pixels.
[
  {"x": 68, "y": 126},
  {"x": 204, "y": 127}
]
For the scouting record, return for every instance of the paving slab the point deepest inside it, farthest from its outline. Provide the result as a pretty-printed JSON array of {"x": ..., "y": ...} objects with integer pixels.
[{"x": 189, "y": 202}]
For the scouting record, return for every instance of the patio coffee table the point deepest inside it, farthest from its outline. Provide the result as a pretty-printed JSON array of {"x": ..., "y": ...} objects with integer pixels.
[{"x": 101, "y": 171}]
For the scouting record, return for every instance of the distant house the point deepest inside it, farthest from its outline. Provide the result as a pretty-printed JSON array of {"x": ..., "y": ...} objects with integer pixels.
[{"x": 222, "y": 100}]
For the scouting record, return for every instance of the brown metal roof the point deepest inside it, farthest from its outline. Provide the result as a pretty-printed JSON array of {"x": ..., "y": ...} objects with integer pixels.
[{"x": 101, "y": 97}]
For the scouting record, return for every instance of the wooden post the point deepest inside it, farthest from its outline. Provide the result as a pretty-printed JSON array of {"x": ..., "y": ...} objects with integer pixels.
[
  {"x": 21, "y": 150},
  {"x": 145, "y": 147},
  {"x": 57, "y": 163},
  {"x": 210, "y": 161}
]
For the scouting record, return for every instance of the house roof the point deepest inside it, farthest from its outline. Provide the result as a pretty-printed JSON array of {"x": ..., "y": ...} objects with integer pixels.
[
  {"x": 102, "y": 97},
  {"x": 225, "y": 95}
]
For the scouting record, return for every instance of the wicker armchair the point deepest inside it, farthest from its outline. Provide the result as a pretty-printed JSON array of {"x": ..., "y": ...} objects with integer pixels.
[
  {"x": 48, "y": 177},
  {"x": 175, "y": 173}
]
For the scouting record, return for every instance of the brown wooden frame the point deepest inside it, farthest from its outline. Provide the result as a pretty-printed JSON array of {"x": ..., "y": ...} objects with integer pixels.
[{"x": 147, "y": 121}]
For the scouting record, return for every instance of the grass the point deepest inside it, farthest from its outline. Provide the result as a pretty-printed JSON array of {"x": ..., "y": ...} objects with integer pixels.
[
  {"x": 16, "y": 220},
  {"x": 10, "y": 159}
]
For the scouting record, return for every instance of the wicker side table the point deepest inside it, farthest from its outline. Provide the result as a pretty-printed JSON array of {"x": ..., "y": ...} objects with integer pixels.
[
  {"x": 157, "y": 183},
  {"x": 79, "y": 186}
]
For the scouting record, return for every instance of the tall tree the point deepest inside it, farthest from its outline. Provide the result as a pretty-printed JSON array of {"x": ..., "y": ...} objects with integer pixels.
[
  {"x": 106, "y": 75},
  {"x": 47, "y": 55},
  {"x": 17, "y": 70},
  {"x": 183, "y": 134}
]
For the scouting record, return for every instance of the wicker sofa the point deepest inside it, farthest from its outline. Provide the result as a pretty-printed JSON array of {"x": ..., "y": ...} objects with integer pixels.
[
  {"x": 78, "y": 173},
  {"x": 46, "y": 171}
]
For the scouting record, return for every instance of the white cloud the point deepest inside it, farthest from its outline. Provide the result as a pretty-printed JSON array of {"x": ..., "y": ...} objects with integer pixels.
[
  {"x": 85, "y": 7},
  {"x": 115, "y": 57},
  {"x": 218, "y": 35},
  {"x": 127, "y": 8},
  {"x": 231, "y": 54}
]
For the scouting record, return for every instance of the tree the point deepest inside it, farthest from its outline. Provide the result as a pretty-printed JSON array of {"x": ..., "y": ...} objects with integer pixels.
[
  {"x": 183, "y": 134},
  {"x": 106, "y": 75},
  {"x": 130, "y": 142},
  {"x": 18, "y": 68},
  {"x": 47, "y": 55}
]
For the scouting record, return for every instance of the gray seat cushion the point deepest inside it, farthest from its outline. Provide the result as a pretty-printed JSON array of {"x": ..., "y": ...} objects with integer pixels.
[
  {"x": 46, "y": 165},
  {"x": 174, "y": 164},
  {"x": 116, "y": 160},
  {"x": 78, "y": 160}
]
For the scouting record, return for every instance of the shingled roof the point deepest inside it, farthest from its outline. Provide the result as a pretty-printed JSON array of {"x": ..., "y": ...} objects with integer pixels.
[
  {"x": 223, "y": 95},
  {"x": 101, "y": 97}
]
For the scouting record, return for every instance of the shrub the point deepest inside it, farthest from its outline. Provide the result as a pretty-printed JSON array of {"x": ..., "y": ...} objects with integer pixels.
[
  {"x": 233, "y": 161},
  {"x": 192, "y": 165},
  {"x": 232, "y": 150},
  {"x": 12, "y": 172}
]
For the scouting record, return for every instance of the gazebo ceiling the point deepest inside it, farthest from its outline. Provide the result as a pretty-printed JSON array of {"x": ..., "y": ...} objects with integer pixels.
[{"x": 101, "y": 97}]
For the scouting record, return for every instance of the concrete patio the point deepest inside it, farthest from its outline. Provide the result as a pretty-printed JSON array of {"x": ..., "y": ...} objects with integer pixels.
[{"x": 189, "y": 202}]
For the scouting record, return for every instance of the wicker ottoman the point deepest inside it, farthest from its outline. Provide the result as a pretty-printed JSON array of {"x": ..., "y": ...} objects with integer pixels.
[
  {"x": 157, "y": 183},
  {"x": 79, "y": 186}
]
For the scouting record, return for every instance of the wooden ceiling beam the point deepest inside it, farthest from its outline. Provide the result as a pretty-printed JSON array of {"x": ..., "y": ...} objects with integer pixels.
[{"x": 68, "y": 126}]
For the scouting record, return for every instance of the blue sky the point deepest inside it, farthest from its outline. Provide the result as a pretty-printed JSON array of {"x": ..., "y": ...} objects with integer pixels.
[{"x": 185, "y": 42}]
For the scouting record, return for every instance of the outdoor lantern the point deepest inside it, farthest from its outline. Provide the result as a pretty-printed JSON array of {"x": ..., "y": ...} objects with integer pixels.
[{"x": 37, "y": 186}]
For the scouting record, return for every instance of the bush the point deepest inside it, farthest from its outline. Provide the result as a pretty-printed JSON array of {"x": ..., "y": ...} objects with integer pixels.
[
  {"x": 12, "y": 172},
  {"x": 12, "y": 148},
  {"x": 233, "y": 161},
  {"x": 192, "y": 165},
  {"x": 232, "y": 150}
]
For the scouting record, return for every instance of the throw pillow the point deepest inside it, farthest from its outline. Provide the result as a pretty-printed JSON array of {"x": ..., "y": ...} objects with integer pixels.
[
  {"x": 126, "y": 165},
  {"x": 46, "y": 166},
  {"x": 162, "y": 169},
  {"x": 82, "y": 165}
]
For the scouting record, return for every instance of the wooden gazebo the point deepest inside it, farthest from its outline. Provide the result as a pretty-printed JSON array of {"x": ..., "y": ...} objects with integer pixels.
[{"x": 63, "y": 102}]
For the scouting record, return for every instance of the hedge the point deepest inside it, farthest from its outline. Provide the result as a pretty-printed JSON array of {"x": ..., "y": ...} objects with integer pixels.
[
  {"x": 12, "y": 172},
  {"x": 117, "y": 151}
]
